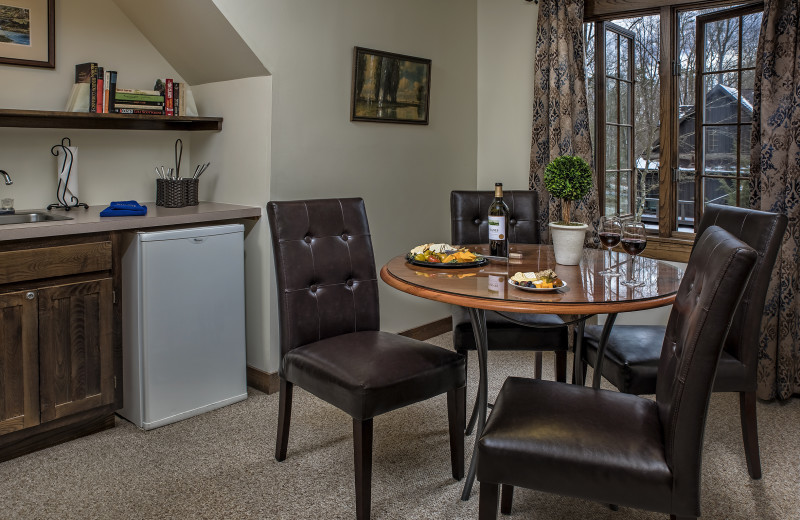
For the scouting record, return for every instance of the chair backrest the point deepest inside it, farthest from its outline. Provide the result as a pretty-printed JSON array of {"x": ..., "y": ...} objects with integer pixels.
[
  {"x": 469, "y": 216},
  {"x": 714, "y": 281},
  {"x": 325, "y": 269},
  {"x": 763, "y": 231}
]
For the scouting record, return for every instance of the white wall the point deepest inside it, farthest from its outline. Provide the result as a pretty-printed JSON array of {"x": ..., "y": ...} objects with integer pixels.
[
  {"x": 403, "y": 172},
  {"x": 112, "y": 165},
  {"x": 240, "y": 174},
  {"x": 506, "y": 47}
]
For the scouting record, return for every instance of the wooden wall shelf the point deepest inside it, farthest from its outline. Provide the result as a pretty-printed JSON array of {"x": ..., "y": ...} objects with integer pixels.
[{"x": 85, "y": 120}]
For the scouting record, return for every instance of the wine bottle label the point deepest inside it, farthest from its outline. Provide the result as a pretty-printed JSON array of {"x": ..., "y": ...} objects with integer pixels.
[
  {"x": 495, "y": 283},
  {"x": 497, "y": 228}
]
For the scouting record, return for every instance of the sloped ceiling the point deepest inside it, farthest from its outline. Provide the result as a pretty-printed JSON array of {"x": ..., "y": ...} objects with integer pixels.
[{"x": 195, "y": 38}]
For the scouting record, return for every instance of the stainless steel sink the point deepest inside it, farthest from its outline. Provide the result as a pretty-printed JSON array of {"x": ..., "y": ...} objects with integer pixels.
[{"x": 22, "y": 217}]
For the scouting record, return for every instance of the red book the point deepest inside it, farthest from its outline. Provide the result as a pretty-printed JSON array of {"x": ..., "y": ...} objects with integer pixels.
[
  {"x": 100, "y": 94},
  {"x": 168, "y": 99}
]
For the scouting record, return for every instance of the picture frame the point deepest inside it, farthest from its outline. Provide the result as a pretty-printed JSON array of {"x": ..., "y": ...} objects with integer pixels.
[
  {"x": 389, "y": 87},
  {"x": 27, "y": 33}
]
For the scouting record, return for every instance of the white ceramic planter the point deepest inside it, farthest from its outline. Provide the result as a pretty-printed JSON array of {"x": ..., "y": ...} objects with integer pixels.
[{"x": 568, "y": 242}]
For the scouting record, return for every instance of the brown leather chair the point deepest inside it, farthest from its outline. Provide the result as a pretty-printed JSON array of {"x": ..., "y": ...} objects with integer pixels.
[
  {"x": 619, "y": 448},
  {"x": 633, "y": 351},
  {"x": 469, "y": 211},
  {"x": 331, "y": 344}
]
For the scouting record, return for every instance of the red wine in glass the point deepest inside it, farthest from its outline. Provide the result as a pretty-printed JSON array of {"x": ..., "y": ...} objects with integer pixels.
[
  {"x": 610, "y": 235},
  {"x": 633, "y": 246},
  {"x": 634, "y": 240}
]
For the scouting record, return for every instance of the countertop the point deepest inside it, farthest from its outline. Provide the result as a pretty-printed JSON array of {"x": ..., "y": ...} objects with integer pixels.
[{"x": 90, "y": 221}]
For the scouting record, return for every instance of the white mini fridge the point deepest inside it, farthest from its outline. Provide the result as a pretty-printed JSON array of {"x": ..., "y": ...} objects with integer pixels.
[{"x": 183, "y": 323}]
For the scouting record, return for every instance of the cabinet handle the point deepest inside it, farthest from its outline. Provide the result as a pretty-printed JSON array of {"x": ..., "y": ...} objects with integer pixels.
[{"x": 30, "y": 295}]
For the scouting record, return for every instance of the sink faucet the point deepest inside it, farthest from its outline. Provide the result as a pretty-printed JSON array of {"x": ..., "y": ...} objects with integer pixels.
[{"x": 7, "y": 177}]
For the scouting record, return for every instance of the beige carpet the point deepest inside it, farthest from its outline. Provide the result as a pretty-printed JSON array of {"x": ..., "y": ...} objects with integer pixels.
[{"x": 221, "y": 465}]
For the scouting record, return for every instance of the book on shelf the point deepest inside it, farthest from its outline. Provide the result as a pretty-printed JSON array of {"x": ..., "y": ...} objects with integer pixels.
[
  {"x": 100, "y": 89},
  {"x": 106, "y": 83},
  {"x": 112, "y": 89},
  {"x": 139, "y": 91},
  {"x": 87, "y": 73},
  {"x": 176, "y": 98},
  {"x": 150, "y": 98},
  {"x": 118, "y": 110},
  {"x": 139, "y": 102},
  {"x": 121, "y": 104},
  {"x": 168, "y": 100},
  {"x": 182, "y": 95}
]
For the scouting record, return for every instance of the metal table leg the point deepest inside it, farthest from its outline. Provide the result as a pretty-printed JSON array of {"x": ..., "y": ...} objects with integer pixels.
[
  {"x": 578, "y": 374},
  {"x": 601, "y": 349},
  {"x": 478, "y": 318}
]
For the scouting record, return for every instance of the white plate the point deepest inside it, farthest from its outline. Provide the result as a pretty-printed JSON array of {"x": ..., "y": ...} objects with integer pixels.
[{"x": 537, "y": 289}]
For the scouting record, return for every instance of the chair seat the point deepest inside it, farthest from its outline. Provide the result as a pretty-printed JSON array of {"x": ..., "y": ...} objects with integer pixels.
[
  {"x": 576, "y": 441},
  {"x": 541, "y": 331},
  {"x": 632, "y": 355},
  {"x": 369, "y": 373}
]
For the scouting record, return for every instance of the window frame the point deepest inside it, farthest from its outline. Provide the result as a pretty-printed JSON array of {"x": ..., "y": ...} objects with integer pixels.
[
  {"x": 669, "y": 243},
  {"x": 601, "y": 113}
]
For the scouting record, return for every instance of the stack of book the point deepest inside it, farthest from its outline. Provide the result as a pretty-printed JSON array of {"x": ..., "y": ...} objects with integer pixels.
[
  {"x": 94, "y": 86},
  {"x": 134, "y": 101},
  {"x": 95, "y": 90}
]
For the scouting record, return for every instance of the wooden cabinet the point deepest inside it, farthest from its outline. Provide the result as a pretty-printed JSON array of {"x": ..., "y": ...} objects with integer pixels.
[
  {"x": 19, "y": 362},
  {"x": 59, "y": 352},
  {"x": 76, "y": 369}
]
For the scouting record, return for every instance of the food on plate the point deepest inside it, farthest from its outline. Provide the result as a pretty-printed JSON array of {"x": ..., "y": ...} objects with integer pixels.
[
  {"x": 442, "y": 254},
  {"x": 546, "y": 279}
]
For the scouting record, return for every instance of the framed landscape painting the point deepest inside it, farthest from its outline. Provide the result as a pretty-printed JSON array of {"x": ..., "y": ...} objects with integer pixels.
[
  {"x": 389, "y": 88},
  {"x": 27, "y": 33}
]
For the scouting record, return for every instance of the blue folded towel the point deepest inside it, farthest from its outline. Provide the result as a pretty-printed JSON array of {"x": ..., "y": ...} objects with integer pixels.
[{"x": 124, "y": 208}]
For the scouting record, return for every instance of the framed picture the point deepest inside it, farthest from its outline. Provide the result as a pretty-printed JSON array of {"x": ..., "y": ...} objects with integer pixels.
[
  {"x": 27, "y": 33},
  {"x": 389, "y": 88}
]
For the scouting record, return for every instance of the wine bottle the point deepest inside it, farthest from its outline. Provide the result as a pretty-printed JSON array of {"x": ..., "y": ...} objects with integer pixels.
[{"x": 498, "y": 224}]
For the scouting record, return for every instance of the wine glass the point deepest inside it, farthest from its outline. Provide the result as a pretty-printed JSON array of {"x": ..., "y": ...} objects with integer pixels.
[
  {"x": 634, "y": 240},
  {"x": 610, "y": 235}
]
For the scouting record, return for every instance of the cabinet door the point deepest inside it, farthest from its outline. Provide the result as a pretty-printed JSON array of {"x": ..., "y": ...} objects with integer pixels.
[
  {"x": 75, "y": 348},
  {"x": 19, "y": 362}
]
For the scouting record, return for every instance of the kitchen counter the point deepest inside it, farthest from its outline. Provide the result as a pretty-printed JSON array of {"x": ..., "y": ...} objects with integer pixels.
[{"x": 90, "y": 221}]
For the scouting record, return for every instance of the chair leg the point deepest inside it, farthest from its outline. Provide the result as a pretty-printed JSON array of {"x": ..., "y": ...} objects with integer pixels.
[
  {"x": 506, "y": 498},
  {"x": 362, "y": 454},
  {"x": 284, "y": 418},
  {"x": 561, "y": 366},
  {"x": 487, "y": 506},
  {"x": 456, "y": 417},
  {"x": 747, "y": 412},
  {"x": 537, "y": 367}
]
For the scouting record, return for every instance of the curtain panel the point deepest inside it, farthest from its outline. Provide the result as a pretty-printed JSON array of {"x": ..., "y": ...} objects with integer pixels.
[
  {"x": 775, "y": 186},
  {"x": 560, "y": 110}
]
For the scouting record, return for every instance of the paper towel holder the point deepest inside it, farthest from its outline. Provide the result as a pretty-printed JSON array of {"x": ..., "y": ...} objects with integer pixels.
[{"x": 61, "y": 189}]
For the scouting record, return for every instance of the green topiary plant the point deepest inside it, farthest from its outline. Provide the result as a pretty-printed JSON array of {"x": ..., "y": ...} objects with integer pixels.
[{"x": 568, "y": 178}]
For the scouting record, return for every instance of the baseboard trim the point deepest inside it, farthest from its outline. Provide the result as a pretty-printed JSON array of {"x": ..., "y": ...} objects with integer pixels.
[
  {"x": 429, "y": 330},
  {"x": 266, "y": 382}
]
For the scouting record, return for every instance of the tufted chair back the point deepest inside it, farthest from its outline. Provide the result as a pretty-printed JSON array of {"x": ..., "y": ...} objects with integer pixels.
[
  {"x": 325, "y": 270},
  {"x": 714, "y": 281},
  {"x": 763, "y": 232},
  {"x": 469, "y": 214}
]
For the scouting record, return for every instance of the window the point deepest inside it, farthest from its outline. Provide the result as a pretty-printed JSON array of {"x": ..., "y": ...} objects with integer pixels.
[{"x": 672, "y": 119}]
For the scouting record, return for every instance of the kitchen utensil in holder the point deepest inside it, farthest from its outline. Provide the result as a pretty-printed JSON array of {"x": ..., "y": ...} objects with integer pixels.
[
  {"x": 64, "y": 173},
  {"x": 170, "y": 193}
]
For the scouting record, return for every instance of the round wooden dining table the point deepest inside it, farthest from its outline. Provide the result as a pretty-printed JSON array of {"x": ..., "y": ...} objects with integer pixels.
[{"x": 585, "y": 294}]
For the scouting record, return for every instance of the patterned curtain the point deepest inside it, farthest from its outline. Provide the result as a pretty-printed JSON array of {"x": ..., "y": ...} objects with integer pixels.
[
  {"x": 560, "y": 112},
  {"x": 775, "y": 183}
]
